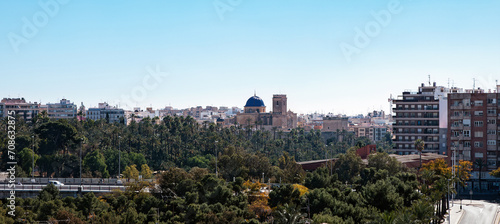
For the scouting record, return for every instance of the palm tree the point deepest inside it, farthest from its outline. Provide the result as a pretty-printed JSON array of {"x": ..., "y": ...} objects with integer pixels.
[
  {"x": 132, "y": 116},
  {"x": 479, "y": 164},
  {"x": 419, "y": 145},
  {"x": 289, "y": 214}
]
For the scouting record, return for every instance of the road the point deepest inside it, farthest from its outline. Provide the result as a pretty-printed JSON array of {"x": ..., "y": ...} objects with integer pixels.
[
  {"x": 38, "y": 187},
  {"x": 479, "y": 212}
]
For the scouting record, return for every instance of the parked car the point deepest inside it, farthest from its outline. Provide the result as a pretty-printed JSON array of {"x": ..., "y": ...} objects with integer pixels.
[{"x": 56, "y": 183}]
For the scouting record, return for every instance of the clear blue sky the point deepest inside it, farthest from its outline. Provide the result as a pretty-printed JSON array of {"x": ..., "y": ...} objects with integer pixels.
[{"x": 94, "y": 51}]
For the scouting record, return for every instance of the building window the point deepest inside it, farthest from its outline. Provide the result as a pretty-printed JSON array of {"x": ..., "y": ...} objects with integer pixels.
[
  {"x": 491, "y": 163},
  {"x": 478, "y": 123},
  {"x": 466, "y": 122},
  {"x": 478, "y": 103},
  {"x": 491, "y": 142},
  {"x": 478, "y": 134},
  {"x": 491, "y": 132},
  {"x": 492, "y": 101},
  {"x": 467, "y": 133},
  {"x": 492, "y": 112},
  {"x": 491, "y": 121},
  {"x": 478, "y": 144},
  {"x": 466, "y": 144},
  {"x": 478, "y": 113}
]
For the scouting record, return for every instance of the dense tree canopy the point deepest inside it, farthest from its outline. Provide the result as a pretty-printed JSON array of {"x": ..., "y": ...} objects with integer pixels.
[{"x": 258, "y": 179}]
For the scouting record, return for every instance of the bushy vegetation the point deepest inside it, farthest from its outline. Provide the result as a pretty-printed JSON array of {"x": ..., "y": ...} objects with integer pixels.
[
  {"x": 188, "y": 189},
  {"x": 171, "y": 142}
]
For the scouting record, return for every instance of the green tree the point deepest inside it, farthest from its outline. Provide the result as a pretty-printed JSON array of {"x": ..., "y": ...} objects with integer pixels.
[
  {"x": 95, "y": 163},
  {"x": 382, "y": 160},
  {"x": 348, "y": 166},
  {"x": 382, "y": 195},
  {"x": 48, "y": 193},
  {"x": 286, "y": 194},
  {"x": 292, "y": 172},
  {"x": 55, "y": 136},
  {"x": 146, "y": 172},
  {"x": 27, "y": 158}
]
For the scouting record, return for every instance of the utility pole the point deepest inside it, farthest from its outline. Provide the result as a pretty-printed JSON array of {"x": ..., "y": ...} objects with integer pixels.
[
  {"x": 81, "y": 146},
  {"x": 216, "y": 154}
]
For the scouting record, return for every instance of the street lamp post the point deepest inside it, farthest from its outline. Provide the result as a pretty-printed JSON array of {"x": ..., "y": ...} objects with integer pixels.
[
  {"x": 33, "y": 158},
  {"x": 453, "y": 168},
  {"x": 216, "y": 155},
  {"x": 81, "y": 146},
  {"x": 119, "y": 155},
  {"x": 448, "y": 198}
]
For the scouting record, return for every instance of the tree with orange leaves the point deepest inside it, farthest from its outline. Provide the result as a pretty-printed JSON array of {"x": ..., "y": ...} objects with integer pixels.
[
  {"x": 437, "y": 173},
  {"x": 495, "y": 173},
  {"x": 439, "y": 166},
  {"x": 258, "y": 199},
  {"x": 462, "y": 171}
]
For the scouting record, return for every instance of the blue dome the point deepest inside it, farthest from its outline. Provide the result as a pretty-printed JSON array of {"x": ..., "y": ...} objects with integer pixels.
[{"x": 255, "y": 101}]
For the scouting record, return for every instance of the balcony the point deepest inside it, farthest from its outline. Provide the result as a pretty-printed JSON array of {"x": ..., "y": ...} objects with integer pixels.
[
  {"x": 414, "y": 133},
  {"x": 457, "y": 127},
  {"x": 459, "y": 138},
  {"x": 427, "y": 109},
  {"x": 460, "y": 117}
]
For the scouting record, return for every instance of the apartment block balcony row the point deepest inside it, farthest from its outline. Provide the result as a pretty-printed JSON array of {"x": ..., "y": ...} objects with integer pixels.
[
  {"x": 426, "y": 109},
  {"x": 414, "y": 131},
  {"x": 414, "y": 126},
  {"x": 407, "y": 141}
]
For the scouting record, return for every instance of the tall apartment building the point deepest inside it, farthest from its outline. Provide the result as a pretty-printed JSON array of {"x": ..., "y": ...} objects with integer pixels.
[
  {"x": 417, "y": 116},
  {"x": 65, "y": 109},
  {"x": 473, "y": 127},
  {"x": 23, "y": 109}
]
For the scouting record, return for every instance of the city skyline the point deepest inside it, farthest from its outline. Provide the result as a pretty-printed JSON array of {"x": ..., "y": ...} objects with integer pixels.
[{"x": 339, "y": 57}]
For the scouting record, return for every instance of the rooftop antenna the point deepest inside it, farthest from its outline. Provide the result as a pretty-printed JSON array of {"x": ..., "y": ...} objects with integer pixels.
[
  {"x": 429, "y": 80},
  {"x": 473, "y": 84},
  {"x": 448, "y": 83},
  {"x": 254, "y": 93}
]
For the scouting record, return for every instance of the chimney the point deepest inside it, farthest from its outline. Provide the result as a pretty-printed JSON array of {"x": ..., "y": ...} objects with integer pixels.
[{"x": 434, "y": 84}]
